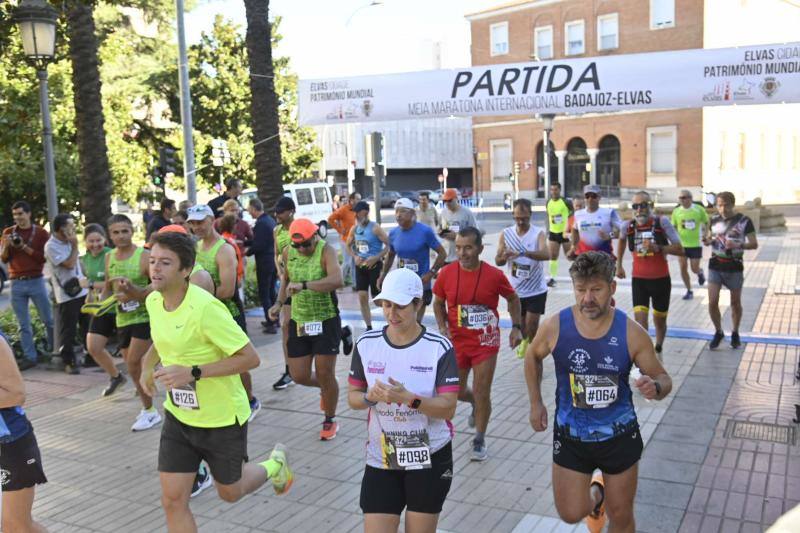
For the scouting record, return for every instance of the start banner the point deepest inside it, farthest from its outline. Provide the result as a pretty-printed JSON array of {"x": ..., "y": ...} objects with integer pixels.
[{"x": 766, "y": 74}]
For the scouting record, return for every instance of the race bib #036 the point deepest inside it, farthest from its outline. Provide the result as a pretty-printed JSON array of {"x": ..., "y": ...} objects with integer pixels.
[
  {"x": 591, "y": 391},
  {"x": 473, "y": 316}
]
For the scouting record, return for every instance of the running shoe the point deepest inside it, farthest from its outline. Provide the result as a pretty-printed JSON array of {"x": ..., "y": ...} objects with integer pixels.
[
  {"x": 202, "y": 481},
  {"x": 269, "y": 330},
  {"x": 329, "y": 430},
  {"x": 714, "y": 343},
  {"x": 284, "y": 381},
  {"x": 479, "y": 452},
  {"x": 282, "y": 480},
  {"x": 701, "y": 278},
  {"x": 114, "y": 384},
  {"x": 26, "y": 364},
  {"x": 597, "y": 518},
  {"x": 522, "y": 348},
  {"x": 347, "y": 340},
  {"x": 551, "y": 282},
  {"x": 689, "y": 295},
  {"x": 471, "y": 417},
  {"x": 72, "y": 369},
  {"x": 659, "y": 349},
  {"x": 735, "y": 340},
  {"x": 146, "y": 419},
  {"x": 255, "y": 407}
]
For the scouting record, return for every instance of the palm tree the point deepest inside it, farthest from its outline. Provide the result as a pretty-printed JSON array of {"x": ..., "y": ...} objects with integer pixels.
[
  {"x": 263, "y": 102},
  {"x": 95, "y": 175}
]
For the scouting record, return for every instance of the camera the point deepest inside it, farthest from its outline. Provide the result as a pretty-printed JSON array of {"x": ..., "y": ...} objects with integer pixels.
[{"x": 16, "y": 240}]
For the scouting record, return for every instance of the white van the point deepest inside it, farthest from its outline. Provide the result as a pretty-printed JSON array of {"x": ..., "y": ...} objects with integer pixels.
[{"x": 313, "y": 201}]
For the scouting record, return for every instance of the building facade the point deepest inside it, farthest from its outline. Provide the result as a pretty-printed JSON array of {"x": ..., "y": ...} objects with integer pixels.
[{"x": 751, "y": 150}]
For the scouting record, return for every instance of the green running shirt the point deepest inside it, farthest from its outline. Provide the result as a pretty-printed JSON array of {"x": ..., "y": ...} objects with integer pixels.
[
  {"x": 208, "y": 260},
  {"x": 557, "y": 215},
  {"x": 131, "y": 312},
  {"x": 308, "y": 305},
  {"x": 688, "y": 222}
]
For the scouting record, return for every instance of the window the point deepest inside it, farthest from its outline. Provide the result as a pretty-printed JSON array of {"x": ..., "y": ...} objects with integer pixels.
[
  {"x": 303, "y": 196},
  {"x": 501, "y": 154},
  {"x": 543, "y": 39},
  {"x": 573, "y": 38},
  {"x": 662, "y": 148},
  {"x": 607, "y": 32},
  {"x": 498, "y": 34},
  {"x": 320, "y": 195},
  {"x": 662, "y": 14}
]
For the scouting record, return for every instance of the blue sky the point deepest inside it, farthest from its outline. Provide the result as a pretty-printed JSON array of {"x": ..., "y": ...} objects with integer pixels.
[{"x": 397, "y": 36}]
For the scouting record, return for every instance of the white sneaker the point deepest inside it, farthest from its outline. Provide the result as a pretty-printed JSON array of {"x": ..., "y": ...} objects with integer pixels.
[{"x": 146, "y": 420}]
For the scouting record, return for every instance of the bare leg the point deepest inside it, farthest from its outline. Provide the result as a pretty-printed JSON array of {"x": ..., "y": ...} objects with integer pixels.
[
  {"x": 175, "y": 491},
  {"x": 96, "y": 345},
  {"x": 329, "y": 387},
  {"x": 736, "y": 308},
  {"x": 421, "y": 313},
  {"x": 660, "y": 323},
  {"x": 253, "y": 477},
  {"x": 531, "y": 325},
  {"x": 363, "y": 302},
  {"x": 421, "y": 522},
  {"x": 381, "y": 523},
  {"x": 571, "y": 494},
  {"x": 685, "y": 272},
  {"x": 713, "y": 305},
  {"x": 300, "y": 370},
  {"x": 17, "y": 505},
  {"x": 133, "y": 358},
  {"x": 640, "y": 314},
  {"x": 620, "y": 490},
  {"x": 695, "y": 262},
  {"x": 285, "y": 316},
  {"x": 482, "y": 389},
  {"x": 464, "y": 390}
]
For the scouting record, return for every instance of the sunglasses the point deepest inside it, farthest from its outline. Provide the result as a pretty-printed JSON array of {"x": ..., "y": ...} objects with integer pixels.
[
  {"x": 591, "y": 195},
  {"x": 304, "y": 244},
  {"x": 683, "y": 197},
  {"x": 643, "y": 205}
]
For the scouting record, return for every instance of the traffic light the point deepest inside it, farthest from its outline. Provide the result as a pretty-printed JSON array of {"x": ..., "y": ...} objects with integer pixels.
[
  {"x": 516, "y": 169},
  {"x": 157, "y": 178},
  {"x": 166, "y": 160}
]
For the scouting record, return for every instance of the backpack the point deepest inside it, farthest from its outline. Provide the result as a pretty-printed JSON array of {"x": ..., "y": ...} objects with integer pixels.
[
  {"x": 658, "y": 232},
  {"x": 239, "y": 258}
]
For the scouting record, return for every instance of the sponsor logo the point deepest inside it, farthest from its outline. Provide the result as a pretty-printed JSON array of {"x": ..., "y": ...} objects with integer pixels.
[
  {"x": 769, "y": 86},
  {"x": 448, "y": 474},
  {"x": 744, "y": 91},
  {"x": 5, "y": 477},
  {"x": 578, "y": 358},
  {"x": 613, "y": 341},
  {"x": 556, "y": 447},
  {"x": 451, "y": 380},
  {"x": 376, "y": 367},
  {"x": 608, "y": 364},
  {"x": 721, "y": 92},
  {"x": 31, "y": 461},
  {"x": 417, "y": 368}
]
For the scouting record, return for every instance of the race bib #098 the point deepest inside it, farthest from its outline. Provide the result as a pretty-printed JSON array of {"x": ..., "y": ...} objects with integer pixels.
[
  {"x": 406, "y": 452},
  {"x": 591, "y": 391},
  {"x": 185, "y": 397}
]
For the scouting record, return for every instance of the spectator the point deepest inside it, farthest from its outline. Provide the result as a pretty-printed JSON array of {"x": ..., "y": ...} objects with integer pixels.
[
  {"x": 343, "y": 220},
  {"x": 426, "y": 212},
  {"x": 61, "y": 252},
  {"x": 180, "y": 219},
  {"x": 233, "y": 190},
  {"x": 336, "y": 204},
  {"x": 22, "y": 248},
  {"x": 262, "y": 247},
  {"x": 242, "y": 232},
  {"x": 184, "y": 205},
  {"x": 161, "y": 219},
  {"x": 455, "y": 217}
]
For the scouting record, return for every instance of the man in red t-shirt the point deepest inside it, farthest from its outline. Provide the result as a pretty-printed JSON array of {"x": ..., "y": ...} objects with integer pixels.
[{"x": 466, "y": 297}]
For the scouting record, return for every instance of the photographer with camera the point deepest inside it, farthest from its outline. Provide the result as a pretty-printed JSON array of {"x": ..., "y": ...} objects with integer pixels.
[
  {"x": 22, "y": 248},
  {"x": 61, "y": 252}
]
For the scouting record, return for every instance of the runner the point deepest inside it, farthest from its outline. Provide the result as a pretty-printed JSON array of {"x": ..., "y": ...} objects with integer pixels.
[
  {"x": 202, "y": 352},
  {"x": 731, "y": 234},
  {"x": 284, "y": 216},
  {"x": 650, "y": 238},
  {"x": 594, "y": 227},
  {"x": 522, "y": 247},
  {"x": 221, "y": 262},
  {"x": 558, "y": 212},
  {"x": 596, "y": 440},
  {"x": 101, "y": 327},
  {"x": 409, "y": 453},
  {"x": 466, "y": 296},
  {"x": 690, "y": 219},
  {"x": 20, "y": 460},
  {"x": 311, "y": 277},
  {"x": 411, "y": 242},
  {"x": 454, "y": 217},
  {"x": 368, "y": 244},
  {"x": 127, "y": 277}
]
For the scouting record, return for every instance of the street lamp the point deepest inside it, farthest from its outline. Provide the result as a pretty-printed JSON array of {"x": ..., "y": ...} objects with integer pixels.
[
  {"x": 37, "y": 26},
  {"x": 547, "y": 129}
]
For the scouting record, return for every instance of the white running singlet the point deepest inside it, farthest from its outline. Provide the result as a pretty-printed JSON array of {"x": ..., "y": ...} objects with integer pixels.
[{"x": 526, "y": 274}]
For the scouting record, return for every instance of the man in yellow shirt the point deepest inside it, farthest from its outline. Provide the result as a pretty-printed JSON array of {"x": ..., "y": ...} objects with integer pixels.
[
  {"x": 202, "y": 351},
  {"x": 559, "y": 210}
]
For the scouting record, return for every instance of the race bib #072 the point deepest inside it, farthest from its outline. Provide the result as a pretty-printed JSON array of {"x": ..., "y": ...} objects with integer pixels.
[{"x": 309, "y": 329}]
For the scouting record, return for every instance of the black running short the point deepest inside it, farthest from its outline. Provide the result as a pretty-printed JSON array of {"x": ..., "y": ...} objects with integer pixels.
[
  {"x": 427, "y": 296},
  {"x": 419, "y": 491},
  {"x": 534, "y": 304},
  {"x": 367, "y": 278},
  {"x": 657, "y": 290},
  {"x": 557, "y": 237},
  {"x": 21, "y": 464},
  {"x": 694, "y": 253},
  {"x": 104, "y": 325},
  {"x": 612, "y": 456},
  {"x": 137, "y": 331},
  {"x": 325, "y": 344},
  {"x": 182, "y": 448}
]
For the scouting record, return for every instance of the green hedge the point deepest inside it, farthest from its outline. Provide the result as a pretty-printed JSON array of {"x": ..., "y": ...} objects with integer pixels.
[{"x": 10, "y": 326}]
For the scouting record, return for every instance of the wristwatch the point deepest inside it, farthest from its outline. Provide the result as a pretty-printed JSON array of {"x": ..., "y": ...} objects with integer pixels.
[
  {"x": 658, "y": 387},
  {"x": 516, "y": 326},
  {"x": 196, "y": 372},
  {"x": 368, "y": 402},
  {"x": 415, "y": 403}
]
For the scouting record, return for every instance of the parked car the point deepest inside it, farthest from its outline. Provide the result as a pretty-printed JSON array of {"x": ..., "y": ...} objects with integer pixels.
[
  {"x": 433, "y": 195},
  {"x": 411, "y": 195},
  {"x": 313, "y": 201},
  {"x": 388, "y": 198}
]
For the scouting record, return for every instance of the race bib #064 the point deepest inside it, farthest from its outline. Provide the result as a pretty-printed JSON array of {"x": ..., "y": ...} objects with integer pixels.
[{"x": 591, "y": 391}]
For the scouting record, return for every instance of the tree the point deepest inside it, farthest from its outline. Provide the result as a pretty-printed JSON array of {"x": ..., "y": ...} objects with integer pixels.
[{"x": 264, "y": 103}]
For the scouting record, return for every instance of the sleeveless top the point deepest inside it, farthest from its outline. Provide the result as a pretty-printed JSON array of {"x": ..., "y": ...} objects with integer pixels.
[
  {"x": 13, "y": 424},
  {"x": 594, "y": 401},
  {"x": 526, "y": 274},
  {"x": 283, "y": 238},
  {"x": 131, "y": 312},
  {"x": 208, "y": 260},
  {"x": 366, "y": 243},
  {"x": 308, "y": 305},
  {"x": 95, "y": 266}
]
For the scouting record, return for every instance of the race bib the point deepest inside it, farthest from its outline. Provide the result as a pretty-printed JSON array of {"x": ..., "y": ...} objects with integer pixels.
[
  {"x": 406, "y": 452},
  {"x": 185, "y": 397},
  {"x": 593, "y": 391},
  {"x": 129, "y": 307},
  {"x": 689, "y": 224},
  {"x": 557, "y": 219},
  {"x": 362, "y": 247},
  {"x": 520, "y": 271},
  {"x": 455, "y": 228},
  {"x": 309, "y": 329},
  {"x": 473, "y": 316},
  {"x": 410, "y": 264},
  {"x": 645, "y": 238}
]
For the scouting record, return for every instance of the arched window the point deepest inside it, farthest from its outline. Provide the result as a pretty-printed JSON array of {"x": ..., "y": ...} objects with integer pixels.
[
  {"x": 608, "y": 165},
  {"x": 540, "y": 167},
  {"x": 576, "y": 173}
]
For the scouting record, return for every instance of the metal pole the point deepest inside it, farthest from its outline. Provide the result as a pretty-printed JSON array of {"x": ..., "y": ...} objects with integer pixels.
[
  {"x": 47, "y": 143},
  {"x": 546, "y": 154},
  {"x": 186, "y": 108}
]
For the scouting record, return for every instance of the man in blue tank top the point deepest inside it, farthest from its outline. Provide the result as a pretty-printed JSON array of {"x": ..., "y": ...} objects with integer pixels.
[
  {"x": 596, "y": 439},
  {"x": 368, "y": 244}
]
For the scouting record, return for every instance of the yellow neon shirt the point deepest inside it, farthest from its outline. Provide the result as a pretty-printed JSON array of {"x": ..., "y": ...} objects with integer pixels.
[{"x": 557, "y": 215}]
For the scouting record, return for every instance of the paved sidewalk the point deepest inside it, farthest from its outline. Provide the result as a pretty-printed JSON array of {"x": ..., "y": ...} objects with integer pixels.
[{"x": 694, "y": 476}]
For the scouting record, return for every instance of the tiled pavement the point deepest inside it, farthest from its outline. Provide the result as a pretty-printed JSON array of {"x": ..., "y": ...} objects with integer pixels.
[{"x": 692, "y": 478}]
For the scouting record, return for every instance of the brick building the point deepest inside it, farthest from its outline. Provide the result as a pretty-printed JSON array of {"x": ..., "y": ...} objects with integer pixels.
[{"x": 752, "y": 150}]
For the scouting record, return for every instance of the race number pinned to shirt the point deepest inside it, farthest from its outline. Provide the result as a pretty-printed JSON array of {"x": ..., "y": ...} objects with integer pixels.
[
  {"x": 185, "y": 397},
  {"x": 455, "y": 228},
  {"x": 644, "y": 240},
  {"x": 689, "y": 224},
  {"x": 593, "y": 391},
  {"x": 520, "y": 271},
  {"x": 362, "y": 247},
  {"x": 406, "y": 452},
  {"x": 557, "y": 219},
  {"x": 473, "y": 316},
  {"x": 410, "y": 264},
  {"x": 309, "y": 329},
  {"x": 129, "y": 307}
]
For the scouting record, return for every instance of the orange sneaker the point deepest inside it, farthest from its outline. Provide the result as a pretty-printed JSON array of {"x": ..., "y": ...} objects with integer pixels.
[
  {"x": 597, "y": 519},
  {"x": 329, "y": 430}
]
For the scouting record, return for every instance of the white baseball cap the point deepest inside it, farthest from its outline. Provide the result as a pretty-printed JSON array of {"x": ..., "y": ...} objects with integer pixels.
[
  {"x": 404, "y": 202},
  {"x": 199, "y": 212},
  {"x": 400, "y": 286}
]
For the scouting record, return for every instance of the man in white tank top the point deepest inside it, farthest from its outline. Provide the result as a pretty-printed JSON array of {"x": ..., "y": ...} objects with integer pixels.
[{"x": 523, "y": 247}]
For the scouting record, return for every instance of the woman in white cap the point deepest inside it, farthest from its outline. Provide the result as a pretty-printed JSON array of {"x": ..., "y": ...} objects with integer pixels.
[{"x": 407, "y": 377}]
